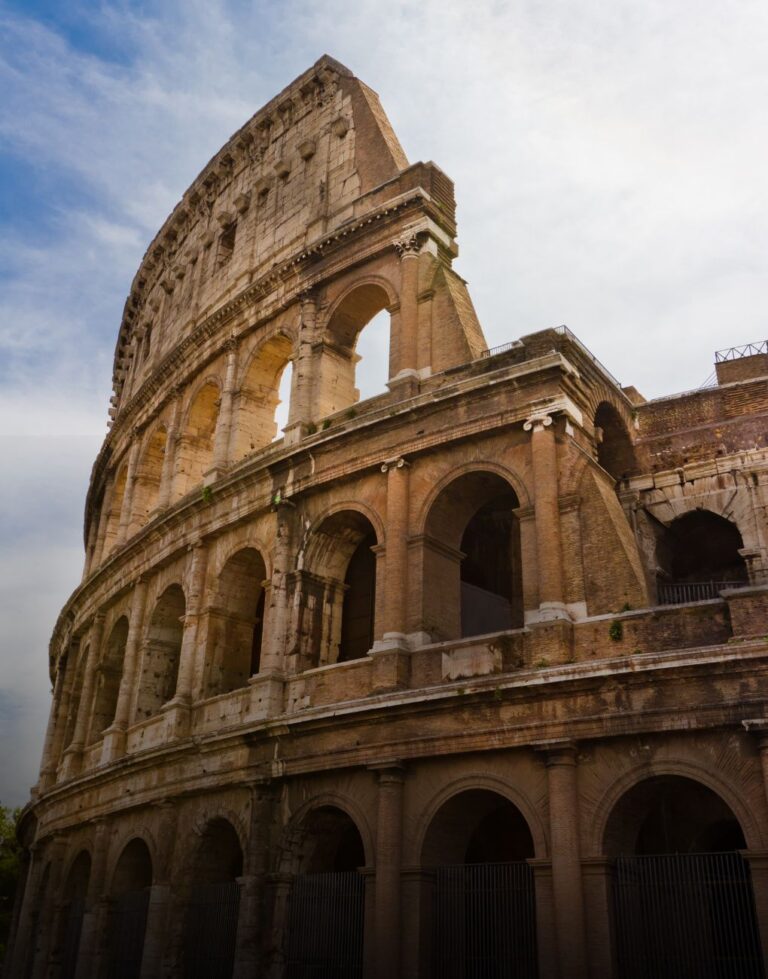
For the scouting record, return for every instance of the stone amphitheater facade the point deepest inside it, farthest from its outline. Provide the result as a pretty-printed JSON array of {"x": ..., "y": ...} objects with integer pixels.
[{"x": 464, "y": 680}]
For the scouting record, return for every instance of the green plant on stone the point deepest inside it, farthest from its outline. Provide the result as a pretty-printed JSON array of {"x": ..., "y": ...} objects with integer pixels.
[{"x": 616, "y": 631}]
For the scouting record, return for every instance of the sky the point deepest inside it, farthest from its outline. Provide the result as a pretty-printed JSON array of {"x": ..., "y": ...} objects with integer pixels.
[{"x": 609, "y": 161}]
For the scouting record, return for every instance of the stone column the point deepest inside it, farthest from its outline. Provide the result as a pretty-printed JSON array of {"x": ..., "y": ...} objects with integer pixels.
[
  {"x": 758, "y": 861},
  {"x": 73, "y": 753},
  {"x": 224, "y": 421},
  {"x": 92, "y": 935},
  {"x": 114, "y": 736},
  {"x": 49, "y": 760},
  {"x": 249, "y": 953},
  {"x": 169, "y": 459},
  {"x": 106, "y": 506},
  {"x": 302, "y": 405},
  {"x": 155, "y": 933},
  {"x": 389, "y": 832},
  {"x": 566, "y": 862},
  {"x": 191, "y": 658},
  {"x": 130, "y": 480},
  {"x": 406, "y": 343},
  {"x": 43, "y": 951},
  {"x": 277, "y": 613},
  {"x": 391, "y": 659},
  {"x": 547, "y": 511}
]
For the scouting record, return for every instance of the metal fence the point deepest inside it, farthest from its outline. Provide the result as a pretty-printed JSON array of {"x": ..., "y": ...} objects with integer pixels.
[
  {"x": 683, "y": 592},
  {"x": 325, "y": 926},
  {"x": 127, "y": 925},
  {"x": 484, "y": 922},
  {"x": 686, "y": 916},
  {"x": 71, "y": 944},
  {"x": 211, "y": 931}
]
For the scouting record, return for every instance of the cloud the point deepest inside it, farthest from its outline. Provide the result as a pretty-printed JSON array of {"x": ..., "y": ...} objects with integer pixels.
[{"x": 609, "y": 167}]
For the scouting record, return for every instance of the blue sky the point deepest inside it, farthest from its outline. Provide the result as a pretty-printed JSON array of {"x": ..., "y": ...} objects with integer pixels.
[{"x": 609, "y": 162}]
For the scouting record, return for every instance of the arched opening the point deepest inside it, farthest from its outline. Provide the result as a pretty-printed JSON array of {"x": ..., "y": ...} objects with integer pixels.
[
  {"x": 682, "y": 896},
  {"x": 236, "y": 623},
  {"x": 194, "y": 455},
  {"x": 148, "y": 476},
  {"x": 265, "y": 390},
  {"x": 162, "y": 653},
  {"x": 74, "y": 698},
  {"x": 115, "y": 510},
  {"x": 338, "y": 385},
  {"x": 74, "y": 896},
  {"x": 472, "y": 564},
  {"x": 696, "y": 556},
  {"x": 109, "y": 674},
  {"x": 213, "y": 904},
  {"x": 327, "y": 903},
  {"x": 338, "y": 601},
  {"x": 615, "y": 452},
  {"x": 128, "y": 911},
  {"x": 480, "y": 896}
]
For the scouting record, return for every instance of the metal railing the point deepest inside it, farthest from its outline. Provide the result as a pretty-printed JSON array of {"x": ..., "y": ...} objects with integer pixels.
[
  {"x": 684, "y": 592},
  {"x": 211, "y": 930},
  {"x": 736, "y": 353},
  {"x": 326, "y": 917},
  {"x": 501, "y": 349}
]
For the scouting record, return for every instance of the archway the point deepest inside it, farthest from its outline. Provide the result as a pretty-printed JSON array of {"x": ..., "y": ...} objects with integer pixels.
[
  {"x": 259, "y": 398},
  {"x": 697, "y": 555},
  {"x": 682, "y": 897},
  {"x": 115, "y": 509},
  {"x": 338, "y": 386},
  {"x": 326, "y": 912},
  {"x": 74, "y": 896},
  {"x": 480, "y": 898},
  {"x": 110, "y": 672},
  {"x": 236, "y": 623},
  {"x": 338, "y": 600},
  {"x": 194, "y": 455},
  {"x": 615, "y": 452},
  {"x": 162, "y": 653},
  {"x": 148, "y": 476},
  {"x": 213, "y": 904},
  {"x": 129, "y": 905},
  {"x": 472, "y": 566}
]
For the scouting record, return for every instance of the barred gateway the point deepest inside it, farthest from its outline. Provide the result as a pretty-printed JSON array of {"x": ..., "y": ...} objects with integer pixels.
[{"x": 464, "y": 680}]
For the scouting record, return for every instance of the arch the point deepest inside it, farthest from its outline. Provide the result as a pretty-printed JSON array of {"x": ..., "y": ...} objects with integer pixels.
[
  {"x": 615, "y": 450},
  {"x": 289, "y": 854},
  {"x": 194, "y": 453},
  {"x": 471, "y": 558},
  {"x": 338, "y": 596},
  {"x": 213, "y": 901},
  {"x": 714, "y": 781},
  {"x": 480, "y": 466},
  {"x": 258, "y": 397},
  {"x": 116, "y": 498},
  {"x": 74, "y": 896},
  {"x": 75, "y": 693},
  {"x": 110, "y": 672},
  {"x": 149, "y": 473},
  {"x": 699, "y": 546},
  {"x": 162, "y": 653},
  {"x": 236, "y": 623},
  {"x": 351, "y": 313}
]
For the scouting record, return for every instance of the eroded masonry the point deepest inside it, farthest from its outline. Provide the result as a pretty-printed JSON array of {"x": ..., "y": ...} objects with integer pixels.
[{"x": 464, "y": 680}]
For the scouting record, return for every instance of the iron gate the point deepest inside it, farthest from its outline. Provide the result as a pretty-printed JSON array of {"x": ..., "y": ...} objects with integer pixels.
[
  {"x": 71, "y": 944},
  {"x": 211, "y": 931},
  {"x": 325, "y": 926},
  {"x": 127, "y": 924},
  {"x": 686, "y": 916},
  {"x": 484, "y": 922}
]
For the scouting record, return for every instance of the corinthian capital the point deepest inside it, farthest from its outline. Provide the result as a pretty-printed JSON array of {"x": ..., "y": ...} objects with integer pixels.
[{"x": 408, "y": 244}]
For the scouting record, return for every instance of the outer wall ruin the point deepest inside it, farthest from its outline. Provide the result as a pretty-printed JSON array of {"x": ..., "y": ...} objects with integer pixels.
[{"x": 500, "y": 630}]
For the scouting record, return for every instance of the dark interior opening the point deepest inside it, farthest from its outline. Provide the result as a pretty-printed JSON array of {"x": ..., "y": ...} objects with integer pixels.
[{"x": 359, "y": 603}]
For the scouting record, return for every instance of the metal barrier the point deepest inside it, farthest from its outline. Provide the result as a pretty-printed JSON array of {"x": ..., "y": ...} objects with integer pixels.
[
  {"x": 686, "y": 916},
  {"x": 127, "y": 925},
  {"x": 484, "y": 922},
  {"x": 326, "y": 918},
  {"x": 211, "y": 931},
  {"x": 683, "y": 592},
  {"x": 71, "y": 944}
]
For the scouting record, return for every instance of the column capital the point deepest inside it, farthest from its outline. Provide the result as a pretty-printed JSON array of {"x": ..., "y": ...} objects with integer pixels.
[
  {"x": 408, "y": 245},
  {"x": 537, "y": 422},
  {"x": 396, "y": 463},
  {"x": 558, "y": 752},
  {"x": 389, "y": 771}
]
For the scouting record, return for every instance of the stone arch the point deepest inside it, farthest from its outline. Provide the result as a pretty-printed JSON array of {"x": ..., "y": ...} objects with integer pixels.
[
  {"x": 161, "y": 654},
  {"x": 471, "y": 556},
  {"x": 338, "y": 588},
  {"x": 615, "y": 449},
  {"x": 482, "y": 783},
  {"x": 133, "y": 869},
  {"x": 75, "y": 694},
  {"x": 716, "y": 782},
  {"x": 516, "y": 483},
  {"x": 109, "y": 674},
  {"x": 258, "y": 395},
  {"x": 236, "y": 622},
  {"x": 74, "y": 895},
  {"x": 194, "y": 452},
  {"x": 698, "y": 546},
  {"x": 350, "y": 314},
  {"x": 289, "y": 853},
  {"x": 121, "y": 838},
  {"x": 115, "y": 508},
  {"x": 149, "y": 473}
]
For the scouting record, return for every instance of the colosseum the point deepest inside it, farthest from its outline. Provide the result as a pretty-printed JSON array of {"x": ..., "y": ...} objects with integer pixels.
[{"x": 466, "y": 680}]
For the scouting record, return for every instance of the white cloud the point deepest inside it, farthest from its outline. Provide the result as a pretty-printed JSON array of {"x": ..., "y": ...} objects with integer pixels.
[{"x": 609, "y": 167}]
